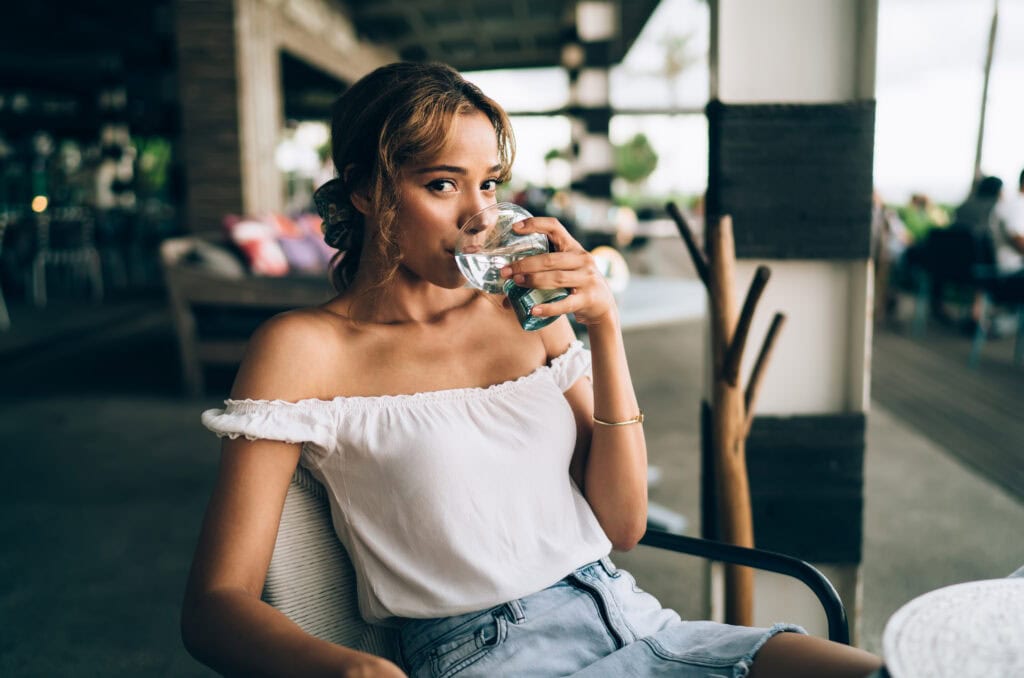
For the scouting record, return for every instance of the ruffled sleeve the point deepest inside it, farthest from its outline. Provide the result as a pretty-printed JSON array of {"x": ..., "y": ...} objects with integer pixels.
[
  {"x": 306, "y": 421},
  {"x": 571, "y": 365}
]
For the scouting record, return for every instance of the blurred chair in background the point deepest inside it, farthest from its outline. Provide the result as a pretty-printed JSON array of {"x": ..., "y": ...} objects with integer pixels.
[
  {"x": 948, "y": 259},
  {"x": 998, "y": 290},
  {"x": 5, "y": 318},
  {"x": 65, "y": 238}
]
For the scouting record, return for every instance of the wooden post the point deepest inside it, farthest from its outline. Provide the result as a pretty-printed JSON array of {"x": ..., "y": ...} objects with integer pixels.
[{"x": 731, "y": 407}]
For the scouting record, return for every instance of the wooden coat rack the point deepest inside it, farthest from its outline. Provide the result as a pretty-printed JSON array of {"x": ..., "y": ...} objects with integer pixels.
[{"x": 732, "y": 407}]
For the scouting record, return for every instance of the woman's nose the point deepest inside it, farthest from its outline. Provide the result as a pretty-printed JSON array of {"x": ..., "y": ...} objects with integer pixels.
[{"x": 474, "y": 211}]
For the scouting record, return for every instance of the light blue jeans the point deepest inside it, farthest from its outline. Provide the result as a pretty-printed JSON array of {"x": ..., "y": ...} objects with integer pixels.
[{"x": 594, "y": 623}]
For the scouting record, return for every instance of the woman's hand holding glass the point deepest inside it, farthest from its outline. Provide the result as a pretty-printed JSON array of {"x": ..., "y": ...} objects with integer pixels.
[
  {"x": 487, "y": 243},
  {"x": 568, "y": 266}
]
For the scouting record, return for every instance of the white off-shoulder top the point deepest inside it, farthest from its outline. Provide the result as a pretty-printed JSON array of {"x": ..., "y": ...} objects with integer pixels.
[{"x": 447, "y": 501}]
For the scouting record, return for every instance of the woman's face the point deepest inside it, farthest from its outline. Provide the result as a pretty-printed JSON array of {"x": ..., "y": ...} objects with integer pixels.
[{"x": 438, "y": 194}]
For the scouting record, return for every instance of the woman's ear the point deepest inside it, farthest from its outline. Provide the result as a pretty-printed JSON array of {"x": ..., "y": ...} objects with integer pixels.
[{"x": 360, "y": 200}]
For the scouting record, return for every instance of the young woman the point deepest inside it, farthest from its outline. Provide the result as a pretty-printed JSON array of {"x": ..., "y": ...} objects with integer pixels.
[{"x": 479, "y": 475}]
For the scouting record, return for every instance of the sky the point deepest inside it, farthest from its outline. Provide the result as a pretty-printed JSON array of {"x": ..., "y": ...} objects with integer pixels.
[
  {"x": 931, "y": 56},
  {"x": 928, "y": 89}
]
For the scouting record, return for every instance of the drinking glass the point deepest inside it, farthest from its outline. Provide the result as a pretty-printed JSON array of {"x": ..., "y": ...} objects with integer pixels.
[{"x": 486, "y": 244}]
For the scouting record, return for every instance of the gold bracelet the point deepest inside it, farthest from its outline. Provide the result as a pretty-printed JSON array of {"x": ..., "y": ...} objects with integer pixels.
[{"x": 638, "y": 419}]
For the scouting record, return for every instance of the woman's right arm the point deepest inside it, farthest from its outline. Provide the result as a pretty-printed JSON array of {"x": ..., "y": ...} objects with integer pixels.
[{"x": 224, "y": 623}]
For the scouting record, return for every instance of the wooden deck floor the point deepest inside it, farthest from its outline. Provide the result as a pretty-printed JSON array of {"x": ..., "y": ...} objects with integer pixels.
[{"x": 975, "y": 414}]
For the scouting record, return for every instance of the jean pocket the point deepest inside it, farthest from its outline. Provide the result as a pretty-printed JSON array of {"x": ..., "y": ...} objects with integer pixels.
[{"x": 456, "y": 654}]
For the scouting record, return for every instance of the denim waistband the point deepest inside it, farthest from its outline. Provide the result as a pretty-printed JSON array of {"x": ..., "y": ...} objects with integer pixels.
[
  {"x": 421, "y": 635},
  {"x": 417, "y": 636},
  {"x": 594, "y": 618}
]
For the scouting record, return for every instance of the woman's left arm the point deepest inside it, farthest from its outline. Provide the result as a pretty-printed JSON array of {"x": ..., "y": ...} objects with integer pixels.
[{"x": 610, "y": 462}]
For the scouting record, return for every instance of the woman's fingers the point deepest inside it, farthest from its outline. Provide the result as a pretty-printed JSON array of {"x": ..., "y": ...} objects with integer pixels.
[
  {"x": 588, "y": 307},
  {"x": 553, "y": 261},
  {"x": 560, "y": 239},
  {"x": 551, "y": 279},
  {"x": 568, "y": 266},
  {"x": 574, "y": 269}
]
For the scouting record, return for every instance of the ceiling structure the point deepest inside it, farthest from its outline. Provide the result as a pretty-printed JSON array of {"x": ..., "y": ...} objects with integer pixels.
[
  {"x": 308, "y": 92},
  {"x": 57, "y": 54},
  {"x": 484, "y": 34}
]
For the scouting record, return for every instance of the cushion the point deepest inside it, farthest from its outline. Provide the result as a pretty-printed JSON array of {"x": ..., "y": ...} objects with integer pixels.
[
  {"x": 313, "y": 227},
  {"x": 258, "y": 241},
  {"x": 215, "y": 259}
]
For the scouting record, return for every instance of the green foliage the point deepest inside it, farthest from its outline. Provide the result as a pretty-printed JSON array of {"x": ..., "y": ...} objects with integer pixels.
[
  {"x": 153, "y": 164},
  {"x": 553, "y": 154},
  {"x": 655, "y": 203},
  {"x": 919, "y": 221},
  {"x": 635, "y": 160}
]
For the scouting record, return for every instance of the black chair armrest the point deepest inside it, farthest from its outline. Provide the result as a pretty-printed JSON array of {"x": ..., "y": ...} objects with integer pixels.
[{"x": 838, "y": 627}]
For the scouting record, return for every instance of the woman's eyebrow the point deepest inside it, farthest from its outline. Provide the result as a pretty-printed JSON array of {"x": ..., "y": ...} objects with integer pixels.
[
  {"x": 441, "y": 168},
  {"x": 454, "y": 169}
]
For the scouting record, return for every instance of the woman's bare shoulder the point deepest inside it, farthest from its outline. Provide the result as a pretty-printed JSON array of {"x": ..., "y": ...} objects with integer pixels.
[
  {"x": 289, "y": 354},
  {"x": 557, "y": 337}
]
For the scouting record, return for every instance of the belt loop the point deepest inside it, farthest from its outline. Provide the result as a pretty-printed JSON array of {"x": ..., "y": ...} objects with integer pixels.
[
  {"x": 514, "y": 611},
  {"x": 609, "y": 567}
]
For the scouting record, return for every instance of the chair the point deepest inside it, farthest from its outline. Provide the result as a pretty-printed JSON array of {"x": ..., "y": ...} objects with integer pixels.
[
  {"x": 959, "y": 257},
  {"x": 311, "y": 580},
  {"x": 994, "y": 293},
  {"x": 948, "y": 257},
  {"x": 988, "y": 314},
  {"x": 66, "y": 238},
  {"x": 5, "y": 318}
]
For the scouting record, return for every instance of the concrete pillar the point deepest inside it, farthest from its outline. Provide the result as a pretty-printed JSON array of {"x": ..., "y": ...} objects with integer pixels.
[
  {"x": 210, "y": 146},
  {"x": 260, "y": 105},
  {"x": 791, "y": 132},
  {"x": 587, "y": 57},
  {"x": 230, "y": 89}
]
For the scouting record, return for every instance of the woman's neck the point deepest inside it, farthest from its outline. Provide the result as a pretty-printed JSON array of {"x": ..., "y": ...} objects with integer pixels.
[{"x": 403, "y": 299}]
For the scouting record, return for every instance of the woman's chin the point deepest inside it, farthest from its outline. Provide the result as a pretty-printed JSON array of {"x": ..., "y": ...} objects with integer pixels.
[
  {"x": 450, "y": 283},
  {"x": 453, "y": 281},
  {"x": 461, "y": 285}
]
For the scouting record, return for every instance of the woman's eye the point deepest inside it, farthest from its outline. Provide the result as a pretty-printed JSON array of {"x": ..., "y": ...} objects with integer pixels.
[
  {"x": 442, "y": 186},
  {"x": 490, "y": 185}
]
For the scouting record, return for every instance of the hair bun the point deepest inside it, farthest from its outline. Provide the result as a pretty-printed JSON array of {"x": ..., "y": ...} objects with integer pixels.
[{"x": 334, "y": 208}]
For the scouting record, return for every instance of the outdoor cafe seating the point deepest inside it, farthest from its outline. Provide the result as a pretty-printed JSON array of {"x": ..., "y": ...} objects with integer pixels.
[
  {"x": 66, "y": 241},
  {"x": 966, "y": 263}
]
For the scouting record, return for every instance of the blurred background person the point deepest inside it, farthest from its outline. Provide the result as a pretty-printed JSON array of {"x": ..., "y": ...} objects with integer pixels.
[
  {"x": 949, "y": 256},
  {"x": 976, "y": 212},
  {"x": 1007, "y": 227},
  {"x": 920, "y": 215},
  {"x": 890, "y": 239}
]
